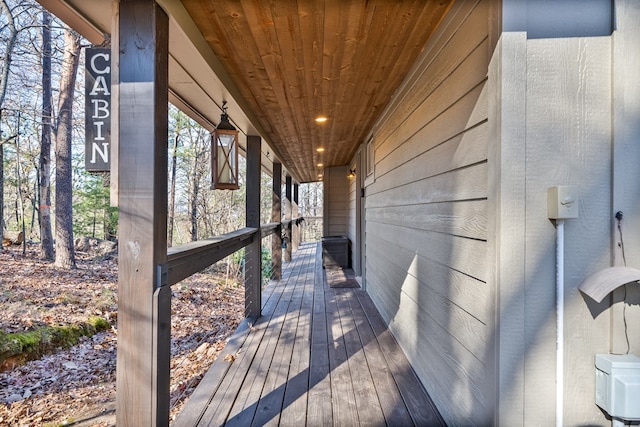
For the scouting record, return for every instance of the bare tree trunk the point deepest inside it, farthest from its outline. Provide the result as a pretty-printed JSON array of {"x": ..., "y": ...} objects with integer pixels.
[
  {"x": 65, "y": 256},
  {"x": 20, "y": 193},
  {"x": 46, "y": 248},
  {"x": 4, "y": 77},
  {"x": 194, "y": 189},
  {"x": 172, "y": 195},
  {"x": 1, "y": 183}
]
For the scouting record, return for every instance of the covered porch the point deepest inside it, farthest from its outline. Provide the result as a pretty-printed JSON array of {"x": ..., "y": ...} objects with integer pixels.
[
  {"x": 443, "y": 114},
  {"x": 306, "y": 351},
  {"x": 319, "y": 355}
]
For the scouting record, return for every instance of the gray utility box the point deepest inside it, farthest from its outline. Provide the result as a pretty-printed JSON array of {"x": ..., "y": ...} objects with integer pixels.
[{"x": 335, "y": 251}]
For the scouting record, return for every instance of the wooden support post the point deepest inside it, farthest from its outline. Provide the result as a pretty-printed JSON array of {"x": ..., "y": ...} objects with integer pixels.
[
  {"x": 144, "y": 324},
  {"x": 276, "y": 216},
  {"x": 295, "y": 237},
  {"x": 253, "y": 254},
  {"x": 288, "y": 212}
]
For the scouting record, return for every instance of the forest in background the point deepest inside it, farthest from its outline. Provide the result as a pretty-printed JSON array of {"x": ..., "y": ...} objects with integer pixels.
[
  {"x": 57, "y": 280},
  {"x": 42, "y": 151}
]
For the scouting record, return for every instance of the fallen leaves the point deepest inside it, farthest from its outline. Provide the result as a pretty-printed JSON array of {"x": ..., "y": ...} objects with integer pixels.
[{"x": 79, "y": 383}]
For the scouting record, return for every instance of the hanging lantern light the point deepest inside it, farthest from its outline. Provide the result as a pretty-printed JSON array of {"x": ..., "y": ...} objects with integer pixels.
[{"x": 224, "y": 159}]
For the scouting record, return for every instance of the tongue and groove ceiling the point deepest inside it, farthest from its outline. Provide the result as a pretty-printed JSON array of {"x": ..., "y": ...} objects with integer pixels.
[
  {"x": 296, "y": 60},
  {"x": 289, "y": 61}
]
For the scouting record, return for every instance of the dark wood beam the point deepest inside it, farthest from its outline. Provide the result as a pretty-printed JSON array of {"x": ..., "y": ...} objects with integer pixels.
[
  {"x": 276, "y": 216},
  {"x": 190, "y": 258},
  {"x": 288, "y": 215},
  {"x": 295, "y": 235},
  {"x": 269, "y": 228},
  {"x": 253, "y": 254},
  {"x": 143, "y": 298}
]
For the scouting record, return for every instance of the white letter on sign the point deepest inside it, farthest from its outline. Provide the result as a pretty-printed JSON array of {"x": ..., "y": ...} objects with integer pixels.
[
  {"x": 100, "y": 86},
  {"x": 100, "y": 108},
  {"x": 103, "y": 153},
  {"x": 105, "y": 57}
]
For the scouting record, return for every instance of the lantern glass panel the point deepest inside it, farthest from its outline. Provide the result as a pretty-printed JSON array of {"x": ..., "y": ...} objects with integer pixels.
[{"x": 225, "y": 160}]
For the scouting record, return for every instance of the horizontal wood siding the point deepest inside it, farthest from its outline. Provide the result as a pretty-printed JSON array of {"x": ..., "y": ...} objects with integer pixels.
[
  {"x": 426, "y": 215},
  {"x": 336, "y": 201}
]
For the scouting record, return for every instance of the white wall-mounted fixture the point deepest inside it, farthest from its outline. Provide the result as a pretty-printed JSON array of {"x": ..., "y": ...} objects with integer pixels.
[
  {"x": 618, "y": 385},
  {"x": 562, "y": 202}
]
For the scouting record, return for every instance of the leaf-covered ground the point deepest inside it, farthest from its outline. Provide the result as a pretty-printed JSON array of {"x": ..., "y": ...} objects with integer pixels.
[{"x": 76, "y": 386}]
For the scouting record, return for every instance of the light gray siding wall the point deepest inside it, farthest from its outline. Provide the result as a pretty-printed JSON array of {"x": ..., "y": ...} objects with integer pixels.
[
  {"x": 626, "y": 170},
  {"x": 554, "y": 104},
  {"x": 460, "y": 254},
  {"x": 426, "y": 215},
  {"x": 568, "y": 135},
  {"x": 336, "y": 201}
]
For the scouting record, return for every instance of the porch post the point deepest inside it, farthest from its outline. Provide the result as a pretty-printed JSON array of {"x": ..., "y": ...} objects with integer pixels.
[
  {"x": 276, "y": 216},
  {"x": 288, "y": 211},
  {"x": 253, "y": 258},
  {"x": 295, "y": 238},
  {"x": 144, "y": 300}
]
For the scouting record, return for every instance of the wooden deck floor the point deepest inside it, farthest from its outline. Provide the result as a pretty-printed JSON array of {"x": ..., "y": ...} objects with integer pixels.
[{"x": 318, "y": 356}]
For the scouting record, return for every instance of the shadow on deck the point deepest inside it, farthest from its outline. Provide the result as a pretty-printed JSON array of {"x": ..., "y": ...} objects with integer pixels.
[{"x": 318, "y": 356}]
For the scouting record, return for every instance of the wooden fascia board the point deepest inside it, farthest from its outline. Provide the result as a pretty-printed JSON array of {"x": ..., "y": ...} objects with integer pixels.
[
  {"x": 182, "y": 21},
  {"x": 76, "y": 20}
]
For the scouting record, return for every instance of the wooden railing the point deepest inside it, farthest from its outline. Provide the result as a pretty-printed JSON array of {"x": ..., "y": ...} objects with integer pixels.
[
  {"x": 145, "y": 268},
  {"x": 190, "y": 258}
]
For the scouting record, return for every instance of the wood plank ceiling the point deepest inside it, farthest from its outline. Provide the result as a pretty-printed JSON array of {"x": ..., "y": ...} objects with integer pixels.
[{"x": 295, "y": 60}]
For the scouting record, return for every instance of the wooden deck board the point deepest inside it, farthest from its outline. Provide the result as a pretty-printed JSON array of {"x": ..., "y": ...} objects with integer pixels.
[
  {"x": 366, "y": 399},
  {"x": 246, "y": 403},
  {"x": 344, "y": 407},
  {"x": 318, "y": 411},
  {"x": 271, "y": 400},
  {"x": 318, "y": 357},
  {"x": 295, "y": 399},
  {"x": 202, "y": 397},
  {"x": 391, "y": 403},
  {"x": 422, "y": 412}
]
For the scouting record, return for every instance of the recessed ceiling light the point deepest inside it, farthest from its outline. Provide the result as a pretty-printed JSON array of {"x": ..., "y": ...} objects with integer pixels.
[
  {"x": 320, "y": 149},
  {"x": 321, "y": 119},
  {"x": 320, "y": 165}
]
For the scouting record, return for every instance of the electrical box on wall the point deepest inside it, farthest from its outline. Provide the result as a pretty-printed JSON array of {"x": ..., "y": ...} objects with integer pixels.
[
  {"x": 562, "y": 202},
  {"x": 618, "y": 385}
]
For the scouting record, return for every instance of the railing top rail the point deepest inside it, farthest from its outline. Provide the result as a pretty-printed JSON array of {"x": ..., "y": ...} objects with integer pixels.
[{"x": 190, "y": 258}]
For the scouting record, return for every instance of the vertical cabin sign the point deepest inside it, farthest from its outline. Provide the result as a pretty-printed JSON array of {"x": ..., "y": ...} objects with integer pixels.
[{"x": 97, "y": 109}]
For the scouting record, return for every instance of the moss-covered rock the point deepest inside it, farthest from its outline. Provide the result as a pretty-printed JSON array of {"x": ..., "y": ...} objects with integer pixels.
[{"x": 18, "y": 347}]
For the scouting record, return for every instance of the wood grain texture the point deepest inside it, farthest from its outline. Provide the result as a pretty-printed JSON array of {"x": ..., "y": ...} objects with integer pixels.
[
  {"x": 570, "y": 116},
  {"x": 427, "y": 215},
  {"x": 456, "y": 185},
  {"x": 444, "y": 283},
  {"x": 143, "y": 358},
  {"x": 464, "y": 219},
  {"x": 507, "y": 84},
  {"x": 319, "y": 356},
  {"x": 295, "y": 60},
  {"x": 276, "y": 216},
  {"x": 253, "y": 251},
  {"x": 336, "y": 201}
]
